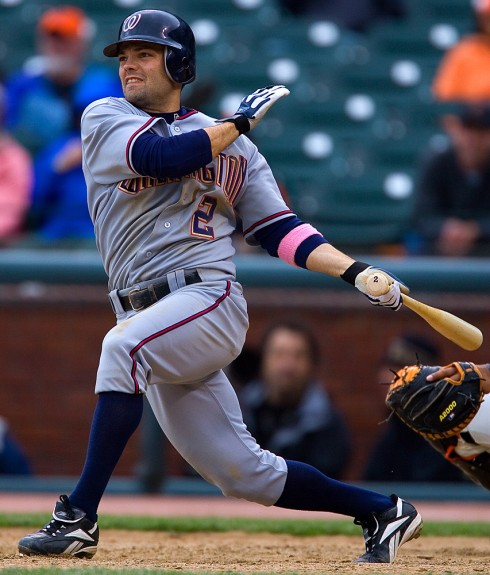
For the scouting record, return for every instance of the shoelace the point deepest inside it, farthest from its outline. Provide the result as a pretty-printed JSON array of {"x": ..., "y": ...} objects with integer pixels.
[
  {"x": 67, "y": 507},
  {"x": 369, "y": 531},
  {"x": 54, "y": 527}
]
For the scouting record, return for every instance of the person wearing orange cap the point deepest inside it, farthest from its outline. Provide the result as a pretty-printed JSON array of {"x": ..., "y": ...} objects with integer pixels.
[
  {"x": 45, "y": 96},
  {"x": 459, "y": 76},
  {"x": 45, "y": 102}
]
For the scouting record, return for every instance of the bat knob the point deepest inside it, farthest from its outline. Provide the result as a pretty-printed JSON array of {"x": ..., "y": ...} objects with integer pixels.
[{"x": 377, "y": 284}]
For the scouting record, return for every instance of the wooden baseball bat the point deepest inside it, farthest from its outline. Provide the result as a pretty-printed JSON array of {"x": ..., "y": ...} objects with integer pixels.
[{"x": 452, "y": 327}]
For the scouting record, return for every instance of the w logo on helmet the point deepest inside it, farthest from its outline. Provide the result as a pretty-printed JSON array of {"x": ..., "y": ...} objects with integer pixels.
[
  {"x": 131, "y": 22},
  {"x": 166, "y": 29}
]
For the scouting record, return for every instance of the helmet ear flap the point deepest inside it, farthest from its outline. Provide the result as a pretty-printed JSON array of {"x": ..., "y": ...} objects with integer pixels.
[{"x": 179, "y": 66}]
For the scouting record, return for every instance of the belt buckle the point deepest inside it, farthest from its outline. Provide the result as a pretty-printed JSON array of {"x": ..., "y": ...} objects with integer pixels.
[{"x": 130, "y": 298}]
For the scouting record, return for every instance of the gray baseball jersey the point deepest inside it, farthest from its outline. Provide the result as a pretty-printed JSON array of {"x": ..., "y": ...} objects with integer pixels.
[
  {"x": 145, "y": 227},
  {"x": 175, "y": 350}
]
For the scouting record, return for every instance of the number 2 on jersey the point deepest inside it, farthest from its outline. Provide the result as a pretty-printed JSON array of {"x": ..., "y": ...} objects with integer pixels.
[{"x": 202, "y": 217}]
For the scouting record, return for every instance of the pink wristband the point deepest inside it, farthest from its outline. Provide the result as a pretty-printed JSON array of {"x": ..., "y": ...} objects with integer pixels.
[{"x": 291, "y": 241}]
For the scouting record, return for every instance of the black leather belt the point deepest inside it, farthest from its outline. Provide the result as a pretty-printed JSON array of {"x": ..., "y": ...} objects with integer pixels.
[{"x": 138, "y": 299}]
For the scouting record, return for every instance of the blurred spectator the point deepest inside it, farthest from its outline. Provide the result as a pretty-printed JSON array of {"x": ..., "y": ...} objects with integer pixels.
[
  {"x": 356, "y": 15},
  {"x": 452, "y": 205},
  {"x": 287, "y": 410},
  {"x": 400, "y": 454},
  {"x": 15, "y": 182},
  {"x": 462, "y": 74},
  {"x": 43, "y": 97},
  {"x": 46, "y": 100},
  {"x": 59, "y": 212},
  {"x": 12, "y": 459}
]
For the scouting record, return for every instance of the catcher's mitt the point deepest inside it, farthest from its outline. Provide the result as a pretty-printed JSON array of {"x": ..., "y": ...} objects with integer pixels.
[{"x": 436, "y": 410}]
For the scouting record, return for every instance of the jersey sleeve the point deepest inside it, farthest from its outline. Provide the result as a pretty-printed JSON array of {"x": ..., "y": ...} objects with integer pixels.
[
  {"x": 262, "y": 203},
  {"x": 109, "y": 131}
]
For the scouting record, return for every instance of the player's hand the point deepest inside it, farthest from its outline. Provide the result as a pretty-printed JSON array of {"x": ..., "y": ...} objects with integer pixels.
[
  {"x": 392, "y": 298},
  {"x": 457, "y": 237},
  {"x": 69, "y": 157},
  {"x": 357, "y": 274},
  {"x": 450, "y": 372},
  {"x": 254, "y": 107},
  {"x": 446, "y": 372}
]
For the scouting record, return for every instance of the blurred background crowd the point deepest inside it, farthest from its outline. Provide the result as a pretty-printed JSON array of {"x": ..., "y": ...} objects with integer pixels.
[{"x": 383, "y": 145}]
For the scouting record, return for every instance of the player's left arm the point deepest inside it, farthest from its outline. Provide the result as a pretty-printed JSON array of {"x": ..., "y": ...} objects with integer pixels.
[{"x": 300, "y": 244}]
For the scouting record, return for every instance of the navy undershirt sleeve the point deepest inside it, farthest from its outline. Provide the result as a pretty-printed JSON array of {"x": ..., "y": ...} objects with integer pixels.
[
  {"x": 173, "y": 157},
  {"x": 270, "y": 237}
]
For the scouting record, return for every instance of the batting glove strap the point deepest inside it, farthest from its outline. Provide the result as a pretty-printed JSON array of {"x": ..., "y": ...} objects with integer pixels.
[
  {"x": 241, "y": 123},
  {"x": 353, "y": 271}
]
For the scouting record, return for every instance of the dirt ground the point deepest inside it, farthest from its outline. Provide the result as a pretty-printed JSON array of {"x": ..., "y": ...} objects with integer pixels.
[{"x": 246, "y": 553}]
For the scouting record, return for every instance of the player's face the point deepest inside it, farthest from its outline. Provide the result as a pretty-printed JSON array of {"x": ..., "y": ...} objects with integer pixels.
[
  {"x": 63, "y": 57},
  {"x": 144, "y": 80},
  {"x": 286, "y": 366}
]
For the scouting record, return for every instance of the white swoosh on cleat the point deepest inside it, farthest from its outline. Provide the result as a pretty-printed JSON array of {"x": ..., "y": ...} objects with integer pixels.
[
  {"x": 392, "y": 527},
  {"x": 80, "y": 534}
]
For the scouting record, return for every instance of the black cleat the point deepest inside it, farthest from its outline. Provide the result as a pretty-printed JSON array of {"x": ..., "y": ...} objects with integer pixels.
[
  {"x": 69, "y": 533},
  {"x": 385, "y": 532}
]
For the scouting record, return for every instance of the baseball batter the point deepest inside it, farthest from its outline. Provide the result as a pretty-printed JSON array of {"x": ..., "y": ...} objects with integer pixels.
[{"x": 166, "y": 185}]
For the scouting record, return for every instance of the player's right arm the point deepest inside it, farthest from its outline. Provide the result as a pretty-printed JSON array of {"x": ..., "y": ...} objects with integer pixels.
[
  {"x": 250, "y": 113},
  {"x": 112, "y": 130},
  {"x": 221, "y": 136}
]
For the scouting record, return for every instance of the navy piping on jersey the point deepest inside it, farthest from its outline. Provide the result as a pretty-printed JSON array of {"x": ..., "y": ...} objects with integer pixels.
[
  {"x": 186, "y": 115},
  {"x": 169, "y": 329},
  {"x": 265, "y": 220},
  {"x": 171, "y": 117}
]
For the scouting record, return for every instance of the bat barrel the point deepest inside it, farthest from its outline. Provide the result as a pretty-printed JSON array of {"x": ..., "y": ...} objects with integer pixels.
[{"x": 459, "y": 331}]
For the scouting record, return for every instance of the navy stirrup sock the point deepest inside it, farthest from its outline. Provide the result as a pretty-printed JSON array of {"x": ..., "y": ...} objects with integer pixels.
[
  {"x": 308, "y": 489},
  {"x": 116, "y": 417}
]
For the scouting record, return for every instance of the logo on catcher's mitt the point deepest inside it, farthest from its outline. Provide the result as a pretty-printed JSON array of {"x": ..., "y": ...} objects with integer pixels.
[{"x": 448, "y": 411}]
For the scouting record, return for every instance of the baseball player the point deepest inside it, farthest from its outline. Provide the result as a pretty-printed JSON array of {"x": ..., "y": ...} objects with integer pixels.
[{"x": 165, "y": 187}]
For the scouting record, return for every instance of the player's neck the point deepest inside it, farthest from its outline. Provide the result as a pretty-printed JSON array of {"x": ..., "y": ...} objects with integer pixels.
[{"x": 169, "y": 117}]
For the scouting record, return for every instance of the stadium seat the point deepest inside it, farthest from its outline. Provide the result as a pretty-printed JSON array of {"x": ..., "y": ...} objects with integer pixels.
[{"x": 354, "y": 211}]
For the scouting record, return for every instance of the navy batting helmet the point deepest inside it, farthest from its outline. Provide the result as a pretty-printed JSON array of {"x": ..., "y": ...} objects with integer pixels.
[{"x": 159, "y": 27}]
